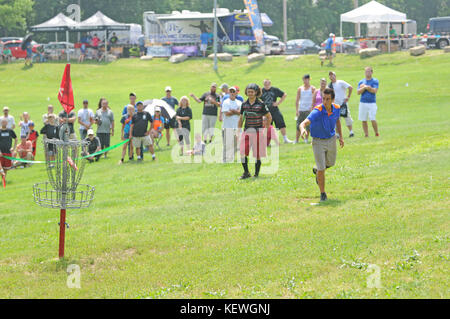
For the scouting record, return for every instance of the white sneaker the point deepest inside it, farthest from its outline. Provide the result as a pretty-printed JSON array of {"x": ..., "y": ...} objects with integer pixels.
[
  {"x": 288, "y": 141},
  {"x": 306, "y": 141}
]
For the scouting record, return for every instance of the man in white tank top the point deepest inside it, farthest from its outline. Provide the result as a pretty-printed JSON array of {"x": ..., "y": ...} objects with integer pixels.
[{"x": 304, "y": 103}]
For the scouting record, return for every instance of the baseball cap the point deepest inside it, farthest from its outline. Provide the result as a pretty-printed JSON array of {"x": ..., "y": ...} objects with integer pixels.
[
  {"x": 331, "y": 35},
  {"x": 133, "y": 94},
  {"x": 214, "y": 84},
  {"x": 31, "y": 123},
  {"x": 168, "y": 88},
  {"x": 90, "y": 132},
  {"x": 6, "y": 108},
  {"x": 224, "y": 86},
  {"x": 331, "y": 72},
  {"x": 140, "y": 102},
  {"x": 237, "y": 88},
  {"x": 157, "y": 109},
  {"x": 85, "y": 101},
  {"x": 233, "y": 88}
]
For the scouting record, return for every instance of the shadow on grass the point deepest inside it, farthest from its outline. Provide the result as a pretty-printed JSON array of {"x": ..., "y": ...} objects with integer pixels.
[
  {"x": 27, "y": 67},
  {"x": 255, "y": 66}
]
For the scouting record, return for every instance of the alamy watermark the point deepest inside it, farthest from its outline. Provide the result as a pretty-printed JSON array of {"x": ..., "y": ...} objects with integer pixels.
[{"x": 226, "y": 147}]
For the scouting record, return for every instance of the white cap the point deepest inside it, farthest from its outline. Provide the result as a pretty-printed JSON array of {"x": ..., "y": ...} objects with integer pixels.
[
  {"x": 90, "y": 132},
  {"x": 331, "y": 35},
  {"x": 168, "y": 88},
  {"x": 157, "y": 109}
]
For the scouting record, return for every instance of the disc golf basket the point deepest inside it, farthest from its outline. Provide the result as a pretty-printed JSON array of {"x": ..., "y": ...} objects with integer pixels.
[{"x": 63, "y": 190}]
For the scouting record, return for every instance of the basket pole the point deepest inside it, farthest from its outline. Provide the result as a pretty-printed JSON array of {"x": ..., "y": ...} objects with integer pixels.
[{"x": 62, "y": 232}]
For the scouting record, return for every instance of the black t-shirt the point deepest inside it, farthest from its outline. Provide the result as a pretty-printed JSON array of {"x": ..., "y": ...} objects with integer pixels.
[
  {"x": 253, "y": 114},
  {"x": 271, "y": 95},
  {"x": 51, "y": 131},
  {"x": 6, "y": 137},
  {"x": 140, "y": 121},
  {"x": 183, "y": 112},
  {"x": 208, "y": 107},
  {"x": 63, "y": 114},
  {"x": 93, "y": 145}
]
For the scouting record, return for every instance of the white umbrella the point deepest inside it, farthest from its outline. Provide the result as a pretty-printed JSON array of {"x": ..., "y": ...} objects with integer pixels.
[{"x": 166, "y": 110}]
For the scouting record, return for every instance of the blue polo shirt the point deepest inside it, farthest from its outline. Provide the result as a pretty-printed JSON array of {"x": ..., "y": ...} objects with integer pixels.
[
  {"x": 323, "y": 125},
  {"x": 368, "y": 97},
  {"x": 329, "y": 44}
]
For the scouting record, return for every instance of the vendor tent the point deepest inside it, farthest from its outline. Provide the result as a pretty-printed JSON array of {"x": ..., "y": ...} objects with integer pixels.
[
  {"x": 57, "y": 24},
  {"x": 373, "y": 12},
  {"x": 101, "y": 22}
]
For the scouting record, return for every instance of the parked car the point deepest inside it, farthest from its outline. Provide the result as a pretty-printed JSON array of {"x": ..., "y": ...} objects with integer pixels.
[
  {"x": 59, "y": 50},
  {"x": 278, "y": 48},
  {"x": 6, "y": 39},
  {"x": 301, "y": 46},
  {"x": 438, "y": 32},
  {"x": 16, "y": 48},
  {"x": 343, "y": 46}
]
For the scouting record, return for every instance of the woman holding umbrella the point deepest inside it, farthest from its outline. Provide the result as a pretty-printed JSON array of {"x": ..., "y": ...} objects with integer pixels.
[{"x": 26, "y": 46}]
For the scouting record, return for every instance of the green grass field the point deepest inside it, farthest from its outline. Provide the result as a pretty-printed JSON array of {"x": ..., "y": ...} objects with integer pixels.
[{"x": 165, "y": 230}]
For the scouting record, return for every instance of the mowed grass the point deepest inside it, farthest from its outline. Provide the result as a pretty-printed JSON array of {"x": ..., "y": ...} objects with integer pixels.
[{"x": 166, "y": 230}]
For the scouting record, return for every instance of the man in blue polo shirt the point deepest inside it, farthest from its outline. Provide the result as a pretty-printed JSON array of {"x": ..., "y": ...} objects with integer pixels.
[
  {"x": 368, "y": 89},
  {"x": 324, "y": 121}
]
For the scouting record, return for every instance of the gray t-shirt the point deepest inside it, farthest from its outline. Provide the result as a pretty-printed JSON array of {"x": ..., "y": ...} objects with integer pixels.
[{"x": 105, "y": 120}]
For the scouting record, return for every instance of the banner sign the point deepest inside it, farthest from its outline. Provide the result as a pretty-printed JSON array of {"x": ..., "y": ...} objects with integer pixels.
[
  {"x": 189, "y": 50},
  {"x": 159, "y": 51},
  {"x": 255, "y": 20}
]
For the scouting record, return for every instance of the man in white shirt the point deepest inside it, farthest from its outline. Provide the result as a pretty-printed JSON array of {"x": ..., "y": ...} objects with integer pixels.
[
  {"x": 85, "y": 119},
  {"x": 231, "y": 109},
  {"x": 11, "y": 123},
  {"x": 340, "y": 88},
  {"x": 50, "y": 110}
]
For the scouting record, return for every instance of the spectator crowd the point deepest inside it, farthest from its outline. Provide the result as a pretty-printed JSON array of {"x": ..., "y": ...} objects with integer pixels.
[{"x": 247, "y": 124}]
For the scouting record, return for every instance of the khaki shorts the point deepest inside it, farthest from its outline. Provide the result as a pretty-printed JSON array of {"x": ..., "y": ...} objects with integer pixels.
[
  {"x": 139, "y": 142},
  {"x": 325, "y": 151}
]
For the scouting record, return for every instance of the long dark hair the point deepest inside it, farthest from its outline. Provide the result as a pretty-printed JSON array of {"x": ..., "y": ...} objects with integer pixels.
[{"x": 100, "y": 103}]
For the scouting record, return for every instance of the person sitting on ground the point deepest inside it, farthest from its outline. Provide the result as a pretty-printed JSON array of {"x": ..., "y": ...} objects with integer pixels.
[
  {"x": 25, "y": 152},
  {"x": 7, "y": 54},
  {"x": 94, "y": 146},
  {"x": 50, "y": 131},
  {"x": 6, "y": 149},
  {"x": 33, "y": 137},
  {"x": 158, "y": 124},
  {"x": 199, "y": 147},
  {"x": 126, "y": 125}
]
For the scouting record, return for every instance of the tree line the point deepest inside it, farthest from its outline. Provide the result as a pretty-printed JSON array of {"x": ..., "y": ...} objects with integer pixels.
[{"x": 313, "y": 19}]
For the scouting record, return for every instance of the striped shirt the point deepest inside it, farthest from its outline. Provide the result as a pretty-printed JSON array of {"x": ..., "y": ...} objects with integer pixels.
[{"x": 253, "y": 113}]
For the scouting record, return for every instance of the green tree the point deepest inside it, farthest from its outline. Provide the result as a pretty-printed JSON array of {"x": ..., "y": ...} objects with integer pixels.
[{"x": 14, "y": 15}]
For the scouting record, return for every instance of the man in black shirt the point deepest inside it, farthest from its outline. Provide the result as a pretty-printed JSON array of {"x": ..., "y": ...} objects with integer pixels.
[
  {"x": 270, "y": 95},
  {"x": 6, "y": 149},
  {"x": 211, "y": 104},
  {"x": 63, "y": 118},
  {"x": 50, "y": 131},
  {"x": 140, "y": 131},
  {"x": 93, "y": 147},
  {"x": 254, "y": 136}
]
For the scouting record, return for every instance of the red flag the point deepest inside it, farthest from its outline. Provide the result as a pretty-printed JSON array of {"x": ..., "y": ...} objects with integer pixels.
[{"x": 65, "y": 95}]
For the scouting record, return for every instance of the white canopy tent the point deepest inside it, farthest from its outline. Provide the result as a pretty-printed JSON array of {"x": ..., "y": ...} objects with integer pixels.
[
  {"x": 57, "y": 24},
  {"x": 374, "y": 12},
  {"x": 101, "y": 22}
]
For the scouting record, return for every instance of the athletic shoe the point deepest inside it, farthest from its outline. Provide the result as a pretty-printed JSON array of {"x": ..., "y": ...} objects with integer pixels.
[
  {"x": 351, "y": 135},
  {"x": 288, "y": 141},
  {"x": 315, "y": 173},
  {"x": 377, "y": 135},
  {"x": 131, "y": 158},
  {"x": 323, "y": 197},
  {"x": 245, "y": 176}
]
